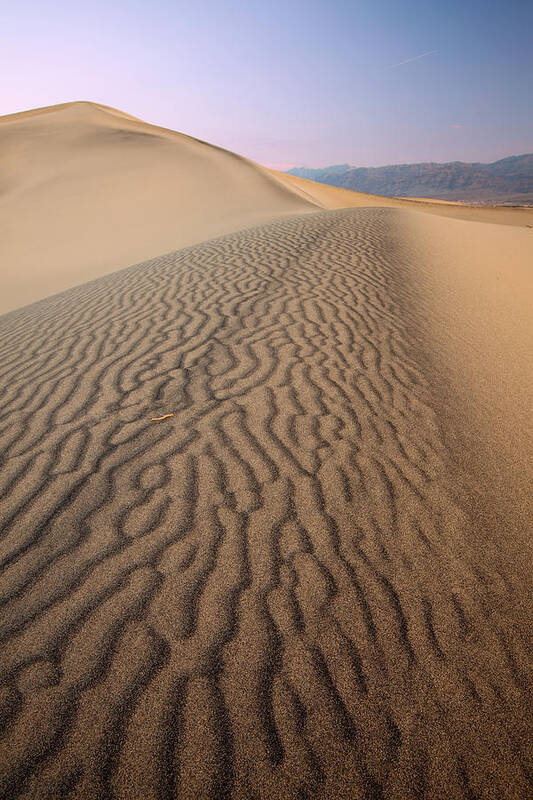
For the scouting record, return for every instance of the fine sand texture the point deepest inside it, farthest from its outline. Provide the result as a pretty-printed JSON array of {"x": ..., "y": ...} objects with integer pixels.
[
  {"x": 86, "y": 190},
  {"x": 241, "y": 556},
  {"x": 477, "y": 290}
]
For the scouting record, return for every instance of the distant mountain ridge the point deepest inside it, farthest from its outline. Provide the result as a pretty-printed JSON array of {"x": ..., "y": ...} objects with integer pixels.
[{"x": 509, "y": 180}]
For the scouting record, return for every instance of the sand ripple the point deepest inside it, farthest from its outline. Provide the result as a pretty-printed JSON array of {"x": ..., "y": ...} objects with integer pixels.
[{"x": 272, "y": 592}]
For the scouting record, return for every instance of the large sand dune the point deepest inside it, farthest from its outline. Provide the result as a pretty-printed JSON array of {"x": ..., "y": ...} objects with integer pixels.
[
  {"x": 265, "y": 500},
  {"x": 86, "y": 189},
  {"x": 240, "y": 557}
]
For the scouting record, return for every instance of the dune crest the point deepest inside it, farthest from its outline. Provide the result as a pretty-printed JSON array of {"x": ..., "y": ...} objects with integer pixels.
[{"x": 86, "y": 189}]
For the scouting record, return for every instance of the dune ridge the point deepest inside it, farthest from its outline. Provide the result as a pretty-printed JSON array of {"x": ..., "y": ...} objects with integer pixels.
[
  {"x": 276, "y": 591},
  {"x": 86, "y": 189}
]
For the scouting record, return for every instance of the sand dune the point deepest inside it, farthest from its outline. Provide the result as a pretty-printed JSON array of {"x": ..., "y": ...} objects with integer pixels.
[
  {"x": 288, "y": 586},
  {"x": 86, "y": 189}
]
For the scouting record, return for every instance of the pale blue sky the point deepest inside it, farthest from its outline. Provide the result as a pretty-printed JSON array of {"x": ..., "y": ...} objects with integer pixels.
[{"x": 299, "y": 82}]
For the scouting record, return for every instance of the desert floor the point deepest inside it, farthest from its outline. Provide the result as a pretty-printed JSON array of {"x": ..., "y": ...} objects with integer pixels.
[{"x": 266, "y": 509}]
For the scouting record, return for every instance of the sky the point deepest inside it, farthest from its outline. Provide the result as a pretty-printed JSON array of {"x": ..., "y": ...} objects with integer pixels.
[{"x": 288, "y": 82}]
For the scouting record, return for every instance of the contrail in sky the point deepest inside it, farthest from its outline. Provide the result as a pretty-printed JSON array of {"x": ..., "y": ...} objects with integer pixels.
[{"x": 415, "y": 58}]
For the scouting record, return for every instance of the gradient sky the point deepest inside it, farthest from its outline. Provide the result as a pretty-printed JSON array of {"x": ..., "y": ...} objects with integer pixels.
[{"x": 292, "y": 82}]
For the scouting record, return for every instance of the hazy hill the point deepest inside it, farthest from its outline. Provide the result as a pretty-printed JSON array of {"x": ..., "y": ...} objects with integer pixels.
[{"x": 508, "y": 180}]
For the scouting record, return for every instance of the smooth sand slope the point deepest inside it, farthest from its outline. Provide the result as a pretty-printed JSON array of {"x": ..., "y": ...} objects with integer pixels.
[
  {"x": 476, "y": 285},
  {"x": 290, "y": 585},
  {"x": 86, "y": 189}
]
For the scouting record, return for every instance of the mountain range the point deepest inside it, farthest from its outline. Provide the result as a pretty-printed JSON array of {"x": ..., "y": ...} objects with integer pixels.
[{"x": 509, "y": 180}]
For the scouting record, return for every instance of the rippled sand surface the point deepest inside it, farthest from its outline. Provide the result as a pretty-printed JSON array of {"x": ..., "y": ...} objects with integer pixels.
[{"x": 277, "y": 590}]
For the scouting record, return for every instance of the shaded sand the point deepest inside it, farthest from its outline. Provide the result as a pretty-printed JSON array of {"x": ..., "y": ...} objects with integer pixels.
[
  {"x": 86, "y": 189},
  {"x": 280, "y": 591}
]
